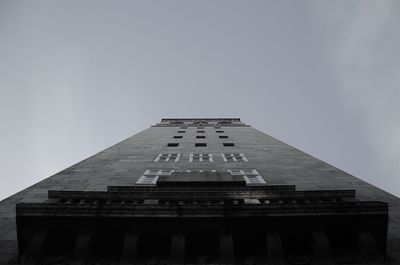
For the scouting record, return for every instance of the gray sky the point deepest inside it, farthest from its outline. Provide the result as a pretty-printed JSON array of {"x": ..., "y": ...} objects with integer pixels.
[{"x": 79, "y": 76}]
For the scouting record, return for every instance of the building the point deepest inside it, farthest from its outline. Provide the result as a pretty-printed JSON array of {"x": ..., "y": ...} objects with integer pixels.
[{"x": 200, "y": 191}]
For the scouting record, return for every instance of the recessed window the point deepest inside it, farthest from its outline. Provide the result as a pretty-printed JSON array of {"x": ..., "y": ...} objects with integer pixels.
[
  {"x": 172, "y": 144},
  {"x": 181, "y": 131},
  {"x": 200, "y": 131},
  {"x": 147, "y": 180},
  {"x": 200, "y": 144},
  {"x": 228, "y": 144},
  {"x": 201, "y": 136},
  {"x": 223, "y": 136},
  {"x": 167, "y": 157},
  {"x": 250, "y": 175},
  {"x": 178, "y": 136},
  {"x": 150, "y": 176},
  {"x": 201, "y": 170},
  {"x": 219, "y": 131},
  {"x": 200, "y": 158},
  {"x": 234, "y": 157}
]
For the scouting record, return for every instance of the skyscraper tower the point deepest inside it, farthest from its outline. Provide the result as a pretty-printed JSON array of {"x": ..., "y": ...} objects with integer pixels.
[{"x": 200, "y": 191}]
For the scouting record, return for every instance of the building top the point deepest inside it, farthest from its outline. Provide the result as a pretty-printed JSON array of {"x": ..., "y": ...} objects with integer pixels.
[
  {"x": 200, "y": 119},
  {"x": 190, "y": 122}
]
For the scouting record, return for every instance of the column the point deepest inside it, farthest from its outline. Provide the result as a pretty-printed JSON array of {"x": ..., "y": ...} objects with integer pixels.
[
  {"x": 33, "y": 251},
  {"x": 82, "y": 248},
  {"x": 274, "y": 248},
  {"x": 226, "y": 248},
  {"x": 178, "y": 249},
  {"x": 129, "y": 248},
  {"x": 321, "y": 248}
]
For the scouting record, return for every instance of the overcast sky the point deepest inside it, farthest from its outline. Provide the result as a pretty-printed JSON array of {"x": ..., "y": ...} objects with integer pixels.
[{"x": 79, "y": 76}]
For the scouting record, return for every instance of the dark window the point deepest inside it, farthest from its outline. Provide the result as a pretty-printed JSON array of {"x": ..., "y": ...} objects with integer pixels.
[
  {"x": 200, "y": 131},
  {"x": 183, "y": 127},
  {"x": 200, "y": 136},
  {"x": 179, "y": 136},
  {"x": 219, "y": 131},
  {"x": 228, "y": 144},
  {"x": 200, "y": 144},
  {"x": 181, "y": 131},
  {"x": 223, "y": 136},
  {"x": 172, "y": 144}
]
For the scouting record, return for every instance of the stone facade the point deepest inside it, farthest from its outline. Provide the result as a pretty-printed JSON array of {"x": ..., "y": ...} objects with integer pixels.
[{"x": 200, "y": 191}]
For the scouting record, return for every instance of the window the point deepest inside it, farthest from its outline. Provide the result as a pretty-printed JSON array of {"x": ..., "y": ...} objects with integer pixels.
[
  {"x": 200, "y": 144},
  {"x": 147, "y": 180},
  {"x": 150, "y": 176},
  {"x": 178, "y": 137},
  {"x": 252, "y": 179},
  {"x": 172, "y": 144},
  {"x": 219, "y": 131},
  {"x": 217, "y": 127},
  {"x": 201, "y": 136},
  {"x": 223, "y": 136},
  {"x": 201, "y": 170},
  {"x": 200, "y": 131},
  {"x": 167, "y": 157},
  {"x": 250, "y": 175},
  {"x": 200, "y": 158},
  {"x": 181, "y": 131},
  {"x": 234, "y": 157},
  {"x": 228, "y": 144}
]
